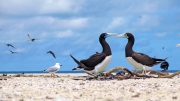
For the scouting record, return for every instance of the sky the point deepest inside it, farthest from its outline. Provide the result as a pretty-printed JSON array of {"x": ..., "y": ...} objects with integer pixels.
[{"x": 74, "y": 26}]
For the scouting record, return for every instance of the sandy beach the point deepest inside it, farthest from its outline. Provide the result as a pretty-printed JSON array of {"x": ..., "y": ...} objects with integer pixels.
[{"x": 64, "y": 88}]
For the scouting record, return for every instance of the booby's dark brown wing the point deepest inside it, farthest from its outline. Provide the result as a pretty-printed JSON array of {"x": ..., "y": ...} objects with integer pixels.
[
  {"x": 145, "y": 59},
  {"x": 93, "y": 60}
]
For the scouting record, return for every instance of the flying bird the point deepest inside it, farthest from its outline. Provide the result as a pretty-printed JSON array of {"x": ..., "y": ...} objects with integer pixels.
[
  {"x": 52, "y": 53},
  {"x": 138, "y": 60},
  {"x": 53, "y": 69},
  {"x": 140, "y": 17},
  {"x": 14, "y": 52},
  {"x": 10, "y": 45},
  {"x": 31, "y": 39},
  {"x": 98, "y": 61}
]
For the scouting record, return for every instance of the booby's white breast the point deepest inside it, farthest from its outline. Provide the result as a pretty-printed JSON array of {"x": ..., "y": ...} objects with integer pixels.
[
  {"x": 102, "y": 66},
  {"x": 136, "y": 64}
]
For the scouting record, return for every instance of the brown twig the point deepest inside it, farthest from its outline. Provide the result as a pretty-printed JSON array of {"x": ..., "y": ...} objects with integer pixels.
[{"x": 170, "y": 76}]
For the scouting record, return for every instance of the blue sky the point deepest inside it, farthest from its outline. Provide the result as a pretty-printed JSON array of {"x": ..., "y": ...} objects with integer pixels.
[{"x": 73, "y": 27}]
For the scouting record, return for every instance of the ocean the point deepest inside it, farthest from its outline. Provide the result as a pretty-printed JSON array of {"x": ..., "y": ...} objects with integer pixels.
[{"x": 41, "y": 72}]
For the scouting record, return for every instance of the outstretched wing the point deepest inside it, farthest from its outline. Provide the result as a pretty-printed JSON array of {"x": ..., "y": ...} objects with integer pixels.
[
  {"x": 11, "y": 45},
  {"x": 52, "y": 54},
  {"x": 29, "y": 37},
  {"x": 11, "y": 51},
  {"x": 93, "y": 60}
]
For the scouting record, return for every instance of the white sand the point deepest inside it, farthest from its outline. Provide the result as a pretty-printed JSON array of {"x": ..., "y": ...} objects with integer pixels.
[{"x": 64, "y": 88}]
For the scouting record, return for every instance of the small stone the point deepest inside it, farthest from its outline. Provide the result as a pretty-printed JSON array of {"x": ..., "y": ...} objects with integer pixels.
[
  {"x": 174, "y": 97},
  {"x": 47, "y": 97},
  {"x": 136, "y": 95}
]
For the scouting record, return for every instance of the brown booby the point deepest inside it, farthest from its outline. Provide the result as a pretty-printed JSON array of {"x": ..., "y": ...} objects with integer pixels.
[
  {"x": 138, "y": 60},
  {"x": 98, "y": 61}
]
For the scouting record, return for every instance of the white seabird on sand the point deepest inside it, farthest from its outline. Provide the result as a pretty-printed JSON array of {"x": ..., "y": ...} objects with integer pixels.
[{"x": 53, "y": 69}]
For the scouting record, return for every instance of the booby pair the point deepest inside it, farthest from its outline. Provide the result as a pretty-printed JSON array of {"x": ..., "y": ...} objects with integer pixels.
[
  {"x": 138, "y": 60},
  {"x": 98, "y": 61}
]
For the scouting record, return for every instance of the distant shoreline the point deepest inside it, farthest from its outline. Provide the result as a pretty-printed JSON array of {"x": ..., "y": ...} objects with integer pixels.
[{"x": 59, "y": 72}]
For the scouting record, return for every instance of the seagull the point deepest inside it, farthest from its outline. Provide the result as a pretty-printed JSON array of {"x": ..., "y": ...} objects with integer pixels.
[
  {"x": 52, "y": 53},
  {"x": 31, "y": 39},
  {"x": 10, "y": 45},
  {"x": 53, "y": 69},
  {"x": 14, "y": 52}
]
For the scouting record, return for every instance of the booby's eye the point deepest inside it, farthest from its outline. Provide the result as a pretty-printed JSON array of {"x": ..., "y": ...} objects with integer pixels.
[{"x": 106, "y": 35}]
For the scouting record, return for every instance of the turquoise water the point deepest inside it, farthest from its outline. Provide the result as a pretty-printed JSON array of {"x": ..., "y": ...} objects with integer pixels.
[{"x": 41, "y": 72}]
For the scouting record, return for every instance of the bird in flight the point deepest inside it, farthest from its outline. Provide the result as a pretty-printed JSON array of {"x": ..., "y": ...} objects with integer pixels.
[
  {"x": 14, "y": 52},
  {"x": 10, "y": 45},
  {"x": 140, "y": 17},
  {"x": 52, "y": 53},
  {"x": 31, "y": 39}
]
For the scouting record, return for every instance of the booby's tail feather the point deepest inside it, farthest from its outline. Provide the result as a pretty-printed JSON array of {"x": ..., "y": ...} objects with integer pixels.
[
  {"x": 160, "y": 59},
  {"x": 75, "y": 59},
  {"x": 77, "y": 68},
  {"x": 80, "y": 65}
]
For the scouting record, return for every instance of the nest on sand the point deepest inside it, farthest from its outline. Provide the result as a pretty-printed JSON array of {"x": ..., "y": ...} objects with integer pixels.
[
  {"x": 132, "y": 75},
  {"x": 108, "y": 75}
]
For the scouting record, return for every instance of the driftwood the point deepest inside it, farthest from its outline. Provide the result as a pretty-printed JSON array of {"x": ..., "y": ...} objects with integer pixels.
[
  {"x": 110, "y": 75},
  {"x": 130, "y": 75},
  {"x": 136, "y": 75}
]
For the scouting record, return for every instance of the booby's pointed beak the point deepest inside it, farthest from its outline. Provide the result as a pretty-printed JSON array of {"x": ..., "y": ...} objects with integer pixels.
[
  {"x": 111, "y": 34},
  {"x": 121, "y": 36}
]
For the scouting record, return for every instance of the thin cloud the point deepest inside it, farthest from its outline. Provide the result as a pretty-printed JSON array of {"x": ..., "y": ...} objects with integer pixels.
[
  {"x": 67, "y": 52},
  {"x": 178, "y": 45},
  {"x": 60, "y": 6},
  {"x": 116, "y": 22},
  {"x": 67, "y": 33},
  {"x": 30, "y": 7},
  {"x": 160, "y": 35},
  {"x": 50, "y": 23}
]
